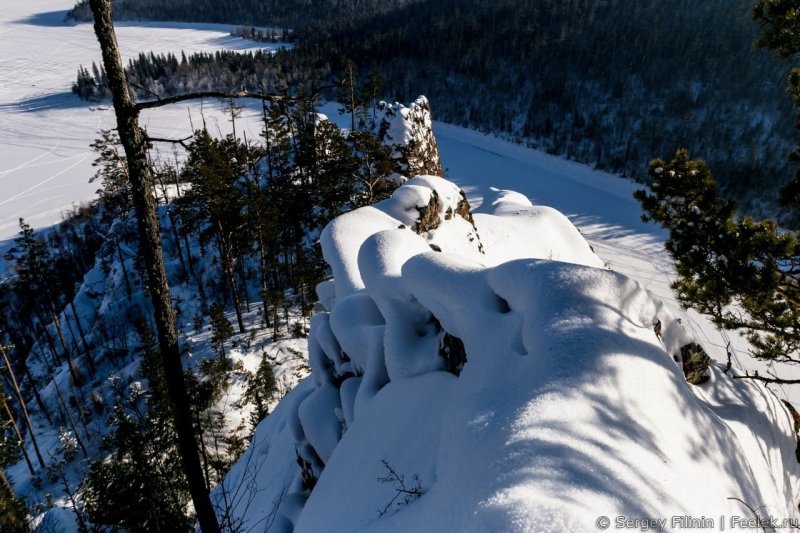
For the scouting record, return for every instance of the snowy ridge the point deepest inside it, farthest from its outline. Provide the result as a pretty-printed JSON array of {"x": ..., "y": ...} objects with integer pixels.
[{"x": 561, "y": 404}]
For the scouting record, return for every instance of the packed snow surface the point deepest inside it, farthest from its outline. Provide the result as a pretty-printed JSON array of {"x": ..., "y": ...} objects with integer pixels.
[{"x": 569, "y": 404}]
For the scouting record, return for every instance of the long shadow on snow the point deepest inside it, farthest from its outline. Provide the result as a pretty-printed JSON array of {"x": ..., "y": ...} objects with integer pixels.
[
  {"x": 65, "y": 100},
  {"x": 538, "y": 459},
  {"x": 48, "y": 19}
]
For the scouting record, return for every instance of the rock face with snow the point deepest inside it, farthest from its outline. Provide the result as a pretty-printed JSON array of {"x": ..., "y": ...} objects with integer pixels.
[
  {"x": 485, "y": 371},
  {"x": 409, "y": 131}
]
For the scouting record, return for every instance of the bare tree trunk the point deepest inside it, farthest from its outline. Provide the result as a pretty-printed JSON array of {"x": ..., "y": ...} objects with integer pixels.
[
  {"x": 128, "y": 288},
  {"x": 82, "y": 528},
  {"x": 76, "y": 378},
  {"x": 50, "y": 343},
  {"x": 134, "y": 142},
  {"x": 36, "y": 395},
  {"x": 227, "y": 265},
  {"x": 19, "y": 438},
  {"x": 6, "y": 484},
  {"x": 243, "y": 282},
  {"x": 89, "y": 358},
  {"x": 65, "y": 407},
  {"x": 21, "y": 401}
]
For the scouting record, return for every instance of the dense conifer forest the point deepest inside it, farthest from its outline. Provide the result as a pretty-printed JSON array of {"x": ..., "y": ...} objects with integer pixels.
[{"x": 608, "y": 83}]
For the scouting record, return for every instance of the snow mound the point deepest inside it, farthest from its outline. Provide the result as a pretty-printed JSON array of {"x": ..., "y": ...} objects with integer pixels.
[{"x": 488, "y": 373}]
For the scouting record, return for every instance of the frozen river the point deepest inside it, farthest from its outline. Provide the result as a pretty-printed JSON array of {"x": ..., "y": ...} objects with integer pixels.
[{"x": 45, "y": 130}]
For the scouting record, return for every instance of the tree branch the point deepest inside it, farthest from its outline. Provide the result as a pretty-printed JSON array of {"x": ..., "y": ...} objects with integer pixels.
[
  {"x": 144, "y": 89},
  {"x": 182, "y": 142},
  {"x": 270, "y": 97},
  {"x": 769, "y": 380}
]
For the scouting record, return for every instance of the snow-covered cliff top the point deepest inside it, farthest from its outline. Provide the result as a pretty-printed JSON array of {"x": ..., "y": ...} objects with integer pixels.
[{"x": 486, "y": 372}]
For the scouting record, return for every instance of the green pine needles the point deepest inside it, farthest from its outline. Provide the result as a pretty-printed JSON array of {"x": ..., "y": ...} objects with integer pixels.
[{"x": 744, "y": 274}]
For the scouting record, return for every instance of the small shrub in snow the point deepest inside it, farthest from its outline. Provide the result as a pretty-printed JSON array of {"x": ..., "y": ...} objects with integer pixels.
[
  {"x": 404, "y": 495},
  {"x": 299, "y": 330},
  {"x": 261, "y": 388},
  {"x": 67, "y": 444}
]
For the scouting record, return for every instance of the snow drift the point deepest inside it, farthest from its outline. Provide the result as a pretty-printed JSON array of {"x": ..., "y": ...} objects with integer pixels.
[{"x": 485, "y": 371}]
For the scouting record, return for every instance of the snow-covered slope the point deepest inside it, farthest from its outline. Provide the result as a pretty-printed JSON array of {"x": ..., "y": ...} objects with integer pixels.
[
  {"x": 488, "y": 372},
  {"x": 110, "y": 305}
]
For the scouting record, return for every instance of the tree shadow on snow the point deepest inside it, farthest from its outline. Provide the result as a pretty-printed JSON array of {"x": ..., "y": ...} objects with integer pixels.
[
  {"x": 48, "y": 19},
  {"x": 65, "y": 100}
]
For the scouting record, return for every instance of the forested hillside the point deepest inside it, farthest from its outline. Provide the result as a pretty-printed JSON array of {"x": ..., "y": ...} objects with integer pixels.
[
  {"x": 610, "y": 83},
  {"x": 255, "y": 12}
]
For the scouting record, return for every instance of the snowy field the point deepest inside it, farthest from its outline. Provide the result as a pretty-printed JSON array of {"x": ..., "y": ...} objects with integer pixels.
[
  {"x": 45, "y": 130},
  {"x": 45, "y": 159}
]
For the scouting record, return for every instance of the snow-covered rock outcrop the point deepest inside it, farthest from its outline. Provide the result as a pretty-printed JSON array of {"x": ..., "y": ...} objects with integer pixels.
[
  {"x": 485, "y": 372},
  {"x": 409, "y": 131}
]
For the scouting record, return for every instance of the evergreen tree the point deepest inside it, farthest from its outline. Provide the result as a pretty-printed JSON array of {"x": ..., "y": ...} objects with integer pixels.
[
  {"x": 335, "y": 171},
  {"x": 142, "y": 486},
  {"x": 112, "y": 172},
  {"x": 723, "y": 260},
  {"x": 213, "y": 167},
  {"x": 134, "y": 142},
  {"x": 782, "y": 35},
  {"x": 376, "y": 169},
  {"x": 260, "y": 389},
  {"x": 13, "y": 514},
  {"x": 221, "y": 329}
]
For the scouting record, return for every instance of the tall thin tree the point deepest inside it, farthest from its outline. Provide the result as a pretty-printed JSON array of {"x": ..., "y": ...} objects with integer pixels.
[{"x": 134, "y": 142}]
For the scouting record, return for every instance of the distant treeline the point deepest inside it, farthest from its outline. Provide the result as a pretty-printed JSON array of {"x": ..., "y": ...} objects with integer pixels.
[
  {"x": 611, "y": 83},
  {"x": 282, "y": 13},
  {"x": 168, "y": 74}
]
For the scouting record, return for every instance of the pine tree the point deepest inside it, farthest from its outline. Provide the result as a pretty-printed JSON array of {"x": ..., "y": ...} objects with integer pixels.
[
  {"x": 744, "y": 274},
  {"x": 112, "y": 172},
  {"x": 376, "y": 168},
  {"x": 782, "y": 36},
  {"x": 134, "y": 142},
  {"x": 723, "y": 260},
  {"x": 37, "y": 275},
  {"x": 213, "y": 167},
  {"x": 221, "y": 329},
  {"x": 142, "y": 486},
  {"x": 334, "y": 170}
]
